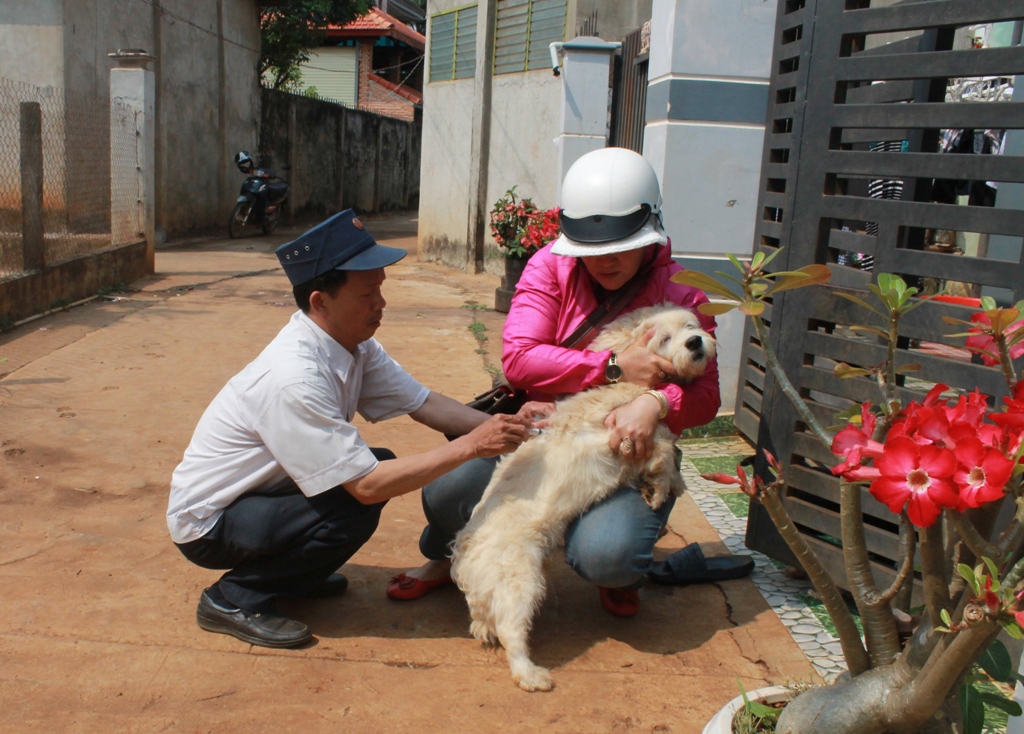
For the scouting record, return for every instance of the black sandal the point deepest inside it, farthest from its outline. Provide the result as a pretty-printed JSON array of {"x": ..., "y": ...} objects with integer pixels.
[{"x": 690, "y": 566}]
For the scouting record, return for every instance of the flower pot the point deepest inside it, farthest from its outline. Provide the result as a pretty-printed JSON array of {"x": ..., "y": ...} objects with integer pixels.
[
  {"x": 513, "y": 271},
  {"x": 721, "y": 723}
]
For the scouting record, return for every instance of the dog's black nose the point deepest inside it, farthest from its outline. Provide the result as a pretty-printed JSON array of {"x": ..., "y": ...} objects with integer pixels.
[{"x": 694, "y": 343}]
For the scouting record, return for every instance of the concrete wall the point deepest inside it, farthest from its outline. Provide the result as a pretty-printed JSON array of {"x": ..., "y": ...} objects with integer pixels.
[
  {"x": 207, "y": 93},
  {"x": 340, "y": 158},
  {"x": 614, "y": 19},
  {"x": 707, "y": 97},
  {"x": 525, "y": 109}
]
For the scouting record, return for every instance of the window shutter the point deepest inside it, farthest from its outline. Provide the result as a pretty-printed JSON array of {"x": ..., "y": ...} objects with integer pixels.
[
  {"x": 453, "y": 44},
  {"x": 465, "y": 44},
  {"x": 442, "y": 46},
  {"x": 332, "y": 70},
  {"x": 547, "y": 24},
  {"x": 525, "y": 28}
]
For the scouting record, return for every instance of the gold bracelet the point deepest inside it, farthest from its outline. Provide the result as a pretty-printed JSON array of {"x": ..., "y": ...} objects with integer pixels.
[{"x": 662, "y": 401}]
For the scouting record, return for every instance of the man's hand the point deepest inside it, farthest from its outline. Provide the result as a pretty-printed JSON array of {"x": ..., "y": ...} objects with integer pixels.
[
  {"x": 536, "y": 413},
  {"x": 634, "y": 424},
  {"x": 499, "y": 435},
  {"x": 642, "y": 366}
]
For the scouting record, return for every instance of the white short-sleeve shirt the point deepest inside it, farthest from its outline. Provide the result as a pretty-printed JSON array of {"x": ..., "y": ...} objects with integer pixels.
[{"x": 287, "y": 416}]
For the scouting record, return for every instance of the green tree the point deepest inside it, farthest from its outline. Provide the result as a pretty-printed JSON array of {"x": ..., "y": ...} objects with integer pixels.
[{"x": 289, "y": 29}]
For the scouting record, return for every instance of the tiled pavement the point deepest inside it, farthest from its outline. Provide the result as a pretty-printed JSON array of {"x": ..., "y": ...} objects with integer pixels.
[{"x": 725, "y": 508}]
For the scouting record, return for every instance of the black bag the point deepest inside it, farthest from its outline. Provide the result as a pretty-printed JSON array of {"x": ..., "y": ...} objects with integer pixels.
[{"x": 502, "y": 399}]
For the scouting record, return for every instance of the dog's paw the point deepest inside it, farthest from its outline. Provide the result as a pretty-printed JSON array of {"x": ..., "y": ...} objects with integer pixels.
[{"x": 534, "y": 678}]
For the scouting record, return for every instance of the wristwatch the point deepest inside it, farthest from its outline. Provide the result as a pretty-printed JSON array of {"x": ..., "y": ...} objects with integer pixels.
[{"x": 612, "y": 371}]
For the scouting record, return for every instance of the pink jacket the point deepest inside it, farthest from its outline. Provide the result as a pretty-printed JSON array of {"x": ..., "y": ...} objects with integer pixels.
[{"x": 554, "y": 296}]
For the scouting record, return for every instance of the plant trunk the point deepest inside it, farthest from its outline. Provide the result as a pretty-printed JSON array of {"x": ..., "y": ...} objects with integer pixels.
[{"x": 858, "y": 706}]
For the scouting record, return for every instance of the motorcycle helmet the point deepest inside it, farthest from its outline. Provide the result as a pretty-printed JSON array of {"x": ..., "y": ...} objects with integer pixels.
[
  {"x": 610, "y": 202},
  {"x": 244, "y": 161}
]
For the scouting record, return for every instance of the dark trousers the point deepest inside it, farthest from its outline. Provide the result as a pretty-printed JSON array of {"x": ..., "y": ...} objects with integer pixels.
[{"x": 283, "y": 543}]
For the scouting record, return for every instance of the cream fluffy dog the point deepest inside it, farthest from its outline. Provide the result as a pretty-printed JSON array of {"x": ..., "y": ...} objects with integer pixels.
[{"x": 538, "y": 490}]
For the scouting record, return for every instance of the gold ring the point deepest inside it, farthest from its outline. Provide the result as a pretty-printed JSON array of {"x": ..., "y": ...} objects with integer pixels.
[{"x": 626, "y": 446}]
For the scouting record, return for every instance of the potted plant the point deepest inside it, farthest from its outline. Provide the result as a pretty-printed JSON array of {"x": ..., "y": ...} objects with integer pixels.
[
  {"x": 931, "y": 462},
  {"x": 519, "y": 229}
]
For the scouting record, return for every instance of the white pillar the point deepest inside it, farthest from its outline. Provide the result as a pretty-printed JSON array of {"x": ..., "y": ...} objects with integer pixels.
[
  {"x": 585, "y": 99},
  {"x": 133, "y": 85},
  {"x": 707, "y": 98}
]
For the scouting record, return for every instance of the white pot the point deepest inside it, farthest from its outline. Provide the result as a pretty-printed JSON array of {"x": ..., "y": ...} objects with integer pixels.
[{"x": 721, "y": 723}]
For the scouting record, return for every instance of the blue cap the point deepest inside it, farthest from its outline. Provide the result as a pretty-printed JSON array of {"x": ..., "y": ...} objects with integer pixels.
[{"x": 338, "y": 243}]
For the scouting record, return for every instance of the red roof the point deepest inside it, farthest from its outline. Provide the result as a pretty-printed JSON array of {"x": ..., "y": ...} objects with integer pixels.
[
  {"x": 411, "y": 95},
  {"x": 377, "y": 23}
]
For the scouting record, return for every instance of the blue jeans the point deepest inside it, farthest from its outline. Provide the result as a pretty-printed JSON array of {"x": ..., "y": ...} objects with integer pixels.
[{"x": 611, "y": 544}]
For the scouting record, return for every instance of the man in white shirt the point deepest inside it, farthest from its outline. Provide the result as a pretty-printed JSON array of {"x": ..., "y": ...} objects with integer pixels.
[{"x": 276, "y": 485}]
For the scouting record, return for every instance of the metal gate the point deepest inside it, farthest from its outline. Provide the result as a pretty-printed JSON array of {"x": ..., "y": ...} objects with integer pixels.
[
  {"x": 863, "y": 104},
  {"x": 629, "y": 91}
]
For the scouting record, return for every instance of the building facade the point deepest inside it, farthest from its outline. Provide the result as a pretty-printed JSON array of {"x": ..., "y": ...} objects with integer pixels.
[{"x": 207, "y": 94}]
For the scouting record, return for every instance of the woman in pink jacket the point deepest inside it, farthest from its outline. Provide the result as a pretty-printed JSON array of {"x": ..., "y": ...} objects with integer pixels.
[{"x": 613, "y": 247}]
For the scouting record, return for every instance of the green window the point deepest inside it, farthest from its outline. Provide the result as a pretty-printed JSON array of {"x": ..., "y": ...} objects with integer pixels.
[
  {"x": 525, "y": 29},
  {"x": 453, "y": 44}
]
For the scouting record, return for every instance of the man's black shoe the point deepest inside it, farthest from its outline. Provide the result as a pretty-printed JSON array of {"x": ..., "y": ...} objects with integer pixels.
[
  {"x": 333, "y": 585},
  {"x": 265, "y": 629}
]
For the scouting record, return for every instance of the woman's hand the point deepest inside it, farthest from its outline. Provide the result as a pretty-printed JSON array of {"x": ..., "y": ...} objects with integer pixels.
[
  {"x": 636, "y": 421},
  {"x": 536, "y": 413},
  {"x": 642, "y": 366}
]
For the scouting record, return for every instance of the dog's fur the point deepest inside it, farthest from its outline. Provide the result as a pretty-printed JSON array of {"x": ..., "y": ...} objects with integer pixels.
[{"x": 538, "y": 490}]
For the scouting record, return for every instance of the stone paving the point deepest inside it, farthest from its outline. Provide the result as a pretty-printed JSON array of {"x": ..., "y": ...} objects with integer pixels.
[{"x": 790, "y": 598}]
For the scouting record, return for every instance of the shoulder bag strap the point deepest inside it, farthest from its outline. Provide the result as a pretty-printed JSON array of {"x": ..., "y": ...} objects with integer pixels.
[{"x": 607, "y": 311}]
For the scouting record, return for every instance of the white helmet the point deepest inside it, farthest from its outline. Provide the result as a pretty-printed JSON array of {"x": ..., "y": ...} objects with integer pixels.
[{"x": 611, "y": 202}]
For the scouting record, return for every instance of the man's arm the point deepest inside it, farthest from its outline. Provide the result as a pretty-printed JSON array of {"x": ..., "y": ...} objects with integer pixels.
[
  {"x": 447, "y": 415},
  {"x": 493, "y": 436}
]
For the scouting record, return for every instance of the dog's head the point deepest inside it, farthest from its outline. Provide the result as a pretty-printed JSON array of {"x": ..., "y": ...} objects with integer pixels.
[{"x": 679, "y": 338}]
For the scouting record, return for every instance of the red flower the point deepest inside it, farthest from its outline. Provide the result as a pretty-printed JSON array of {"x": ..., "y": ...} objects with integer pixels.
[
  {"x": 982, "y": 474},
  {"x": 918, "y": 475}
]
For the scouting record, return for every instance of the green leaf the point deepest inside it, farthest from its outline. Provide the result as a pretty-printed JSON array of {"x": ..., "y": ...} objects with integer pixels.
[
  {"x": 1002, "y": 703},
  {"x": 870, "y": 330},
  {"x": 716, "y": 309},
  {"x": 805, "y": 276},
  {"x": 996, "y": 662},
  {"x": 1012, "y": 629},
  {"x": 944, "y": 613},
  {"x": 737, "y": 281},
  {"x": 988, "y": 303},
  {"x": 913, "y": 367},
  {"x": 843, "y": 371},
  {"x": 770, "y": 258},
  {"x": 757, "y": 261},
  {"x": 951, "y": 321},
  {"x": 704, "y": 282},
  {"x": 973, "y": 710},
  {"x": 859, "y": 302},
  {"x": 736, "y": 261},
  {"x": 993, "y": 571},
  {"x": 752, "y": 308},
  {"x": 885, "y": 282},
  {"x": 968, "y": 574}
]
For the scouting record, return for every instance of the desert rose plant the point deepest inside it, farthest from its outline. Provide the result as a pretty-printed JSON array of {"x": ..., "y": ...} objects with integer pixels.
[
  {"x": 933, "y": 463},
  {"x": 519, "y": 228}
]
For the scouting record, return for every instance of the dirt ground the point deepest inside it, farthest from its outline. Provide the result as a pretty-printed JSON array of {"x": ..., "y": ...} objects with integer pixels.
[{"x": 97, "y": 626}]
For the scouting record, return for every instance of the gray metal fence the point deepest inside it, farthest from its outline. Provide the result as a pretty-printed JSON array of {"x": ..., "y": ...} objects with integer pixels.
[{"x": 69, "y": 167}]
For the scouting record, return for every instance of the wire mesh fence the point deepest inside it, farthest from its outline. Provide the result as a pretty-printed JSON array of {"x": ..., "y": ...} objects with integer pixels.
[{"x": 84, "y": 152}]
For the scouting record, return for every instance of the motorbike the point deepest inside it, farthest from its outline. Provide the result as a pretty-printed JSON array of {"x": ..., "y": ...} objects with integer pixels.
[{"x": 260, "y": 200}]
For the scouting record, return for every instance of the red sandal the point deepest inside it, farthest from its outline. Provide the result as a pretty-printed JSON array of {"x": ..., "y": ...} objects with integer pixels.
[
  {"x": 620, "y": 602},
  {"x": 406, "y": 588}
]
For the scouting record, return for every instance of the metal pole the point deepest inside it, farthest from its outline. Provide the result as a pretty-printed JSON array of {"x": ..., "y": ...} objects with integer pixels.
[{"x": 34, "y": 256}]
